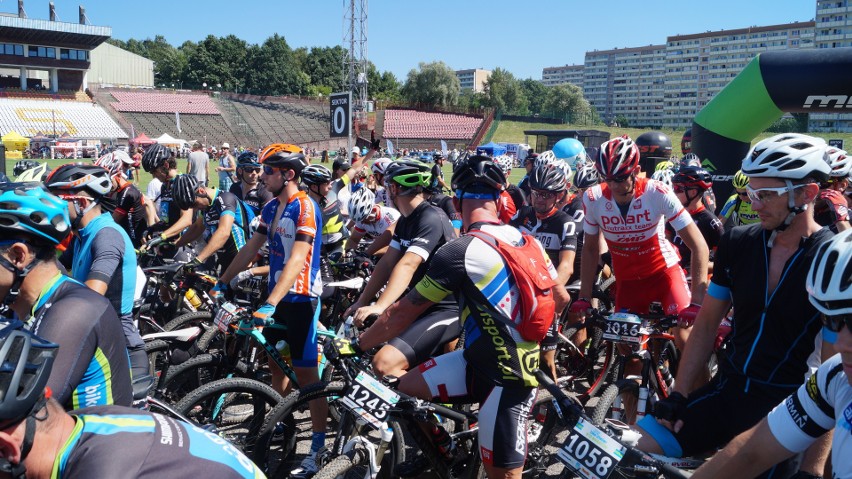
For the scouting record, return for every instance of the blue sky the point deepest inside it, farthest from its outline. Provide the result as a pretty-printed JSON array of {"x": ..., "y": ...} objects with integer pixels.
[{"x": 520, "y": 36}]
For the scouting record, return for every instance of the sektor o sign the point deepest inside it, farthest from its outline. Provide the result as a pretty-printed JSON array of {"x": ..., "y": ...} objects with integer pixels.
[{"x": 341, "y": 118}]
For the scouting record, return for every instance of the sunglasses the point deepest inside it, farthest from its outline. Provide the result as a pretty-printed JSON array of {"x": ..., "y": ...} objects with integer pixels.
[
  {"x": 545, "y": 195},
  {"x": 617, "y": 179},
  {"x": 268, "y": 170},
  {"x": 763, "y": 195},
  {"x": 743, "y": 194},
  {"x": 681, "y": 188},
  {"x": 252, "y": 170},
  {"x": 835, "y": 322}
]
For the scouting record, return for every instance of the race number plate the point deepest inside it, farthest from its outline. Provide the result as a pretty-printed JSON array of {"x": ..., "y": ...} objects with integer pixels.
[
  {"x": 370, "y": 400},
  {"x": 623, "y": 328},
  {"x": 226, "y": 315},
  {"x": 590, "y": 452}
]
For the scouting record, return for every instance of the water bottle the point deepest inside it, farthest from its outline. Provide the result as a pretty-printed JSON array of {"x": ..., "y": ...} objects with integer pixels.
[
  {"x": 643, "y": 403},
  {"x": 283, "y": 349},
  {"x": 193, "y": 298},
  {"x": 443, "y": 441}
]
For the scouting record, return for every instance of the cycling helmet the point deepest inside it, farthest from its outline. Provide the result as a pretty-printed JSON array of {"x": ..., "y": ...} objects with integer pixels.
[
  {"x": 409, "y": 173},
  {"x": 73, "y": 178},
  {"x": 664, "y": 176},
  {"x": 690, "y": 159},
  {"x": 686, "y": 142},
  {"x": 546, "y": 158},
  {"x": 693, "y": 177},
  {"x": 29, "y": 209},
  {"x": 788, "y": 156},
  {"x": 4, "y": 178},
  {"x": 24, "y": 165},
  {"x": 437, "y": 156},
  {"x": 840, "y": 162},
  {"x": 654, "y": 144},
  {"x": 586, "y": 176},
  {"x": 618, "y": 157},
  {"x": 829, "y": 282},
  {"x": 316, "y": 175},
  {"x": 547, "y": 178},
  {"x": 248, "y": 159},
  {"x": 114, "y": 162},
  {"x": 664, "y": 165},
  {"x": 155, "y": 157},
  {"x": 505, "y": 164},
  {"x": 380, "y": 165},
  {"x": 569, "y": 150},
  {"x": 740, "y": 180},
  {"x": 184, "y": 191},
  {"x": 361, "y": 204},
  {"x": 477, "y": 173},
  {"x": 25, "y": 364},
  {"x": 37, "y": 173},
  {"x": 283, "y": 155}
]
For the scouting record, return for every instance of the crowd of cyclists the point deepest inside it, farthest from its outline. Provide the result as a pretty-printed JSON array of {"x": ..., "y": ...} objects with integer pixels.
[{"x": 760, "y": 286}]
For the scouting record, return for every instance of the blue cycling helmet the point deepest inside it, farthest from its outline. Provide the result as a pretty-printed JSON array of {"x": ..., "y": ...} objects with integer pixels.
[
  {"x": 569, "y": 150},
  {"x": 29, "y": 209},
  {"x": 248, "y": 159}
]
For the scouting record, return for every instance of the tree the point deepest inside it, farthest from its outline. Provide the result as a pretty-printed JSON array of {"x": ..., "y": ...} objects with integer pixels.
[
  {"x": 325, "y": 66},
  {"x": 536, "y": 93},
  {"x": 382, "y": 86},
  {"x": 567, "y": 101},
  {"x": 503, "y": 92},
  {"x": 435, "y": 84},
  {"x": 272, "y": 69},
  {"x": 472, "y": 100},
  {"x": 218, "y": 61}
]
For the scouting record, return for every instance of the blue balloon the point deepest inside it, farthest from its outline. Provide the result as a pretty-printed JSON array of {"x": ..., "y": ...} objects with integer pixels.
[{"x": 570, "y": 150}]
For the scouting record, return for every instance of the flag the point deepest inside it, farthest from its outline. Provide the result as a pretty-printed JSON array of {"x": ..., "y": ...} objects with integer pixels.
[
  {"x": 390, "y": 147},
  {"x": 444, "y": 148},
  {"x": 177, "y": 121},
  {"x": 132, "y": 132}
]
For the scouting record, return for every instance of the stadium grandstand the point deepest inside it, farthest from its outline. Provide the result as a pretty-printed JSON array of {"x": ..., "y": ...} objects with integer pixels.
[{"x": 425, "y": 129}]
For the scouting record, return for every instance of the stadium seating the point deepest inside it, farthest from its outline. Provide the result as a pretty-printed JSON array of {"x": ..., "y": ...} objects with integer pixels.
[
  {"x": 204, "y": 128},
  {"x": 155, "y": 102},
  {"x": 83, "y": 120},
  {"x": 275, "y": 121},
  {"x": 429, "y": 125}
]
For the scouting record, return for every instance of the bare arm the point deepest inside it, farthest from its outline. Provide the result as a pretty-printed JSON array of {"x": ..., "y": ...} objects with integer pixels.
[
  {"x": 380, "y": 276},
  {"x": 380, "y": 242},
  {"x": 566, "y": 266},
  {"x": 395, "y": 320},
  {"x": 97, "y": 286},
  {"x": 691, "y": 236},
  {"x": 292, "y": 268},
  {"x": 183, "y": 222},
  {"x": 747, "y": 455},
  {"x": 697, "y": 351},
  {"x": 354, "y": 239},
  {"x": 589, "y": 263},
  {"x": 399, "y": 279},
  {"x": 218, "y": 238},
  {"x": 192, "y": 234}
]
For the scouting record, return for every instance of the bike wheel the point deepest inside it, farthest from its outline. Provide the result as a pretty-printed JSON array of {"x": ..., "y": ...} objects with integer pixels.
[
  {"x": 604, "y": 408},
  {"x": 158, "y": 357},
  {"x": 190, "y": 375},
  {"x": 590, "y": 368},
  {"x": 189, "y": 319},
  {"x": 339, "y": 466},
  {"x": 234, "y": 408}
]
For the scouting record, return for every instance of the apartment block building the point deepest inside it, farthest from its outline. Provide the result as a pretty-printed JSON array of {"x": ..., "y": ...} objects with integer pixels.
[
  {"x": 552, "y": 76},
  {"x": 473, "y": 79},
  {"x": 832, "y": 29}
]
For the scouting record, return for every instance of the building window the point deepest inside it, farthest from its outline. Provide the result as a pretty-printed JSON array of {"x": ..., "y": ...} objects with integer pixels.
[
  {"x": 42, "y": 52},
  {"x": 11, "y": 49}
]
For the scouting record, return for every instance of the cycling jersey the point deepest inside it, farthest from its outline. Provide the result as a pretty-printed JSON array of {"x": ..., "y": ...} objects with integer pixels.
[
  {"x": 254, "y": 198},
  {"x": 488, "y": 304},
  {"x": 382, "y": 196},
  {"x": 524, "y": 185},
  {"x": 437, "y": 173},
  {"x": 518, "y": 195},
  {"x": 123, "y": 442},
  {"x": 130, "y": 205},
  {"x": 227, "y": 204},
  {"x": 169, "y": 212},
  {"x": 506, "y": 207},
  {"x": 636, "y": 236},
  {"x": 341, "y": 191},
  {"x": 299, "y": 221},
  {"x": 574, "y": 208},
  {"x": 556, "y": 233},
  {"x": 384, "y": 219},
  {"x": 422, "y": 232},
  {"x": 333, "y": 227},
  {"x": 773, "y": 331},
  {"x": 821, "y": 404},
  {"x": 738, "y": 212},
  {"x": 709, "y": 226},
  {"x": 445, "y": 203},
  {"x": 92, "y": 366}
]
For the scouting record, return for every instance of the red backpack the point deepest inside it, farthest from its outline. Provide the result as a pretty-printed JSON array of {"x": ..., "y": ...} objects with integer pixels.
[{"x": 529, "y": 268}]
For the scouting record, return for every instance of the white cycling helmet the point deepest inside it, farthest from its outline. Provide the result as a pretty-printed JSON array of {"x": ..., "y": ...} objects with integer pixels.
[
  {"x": 840, "y": 162},
  {"x": 114, "y": 162},
  {"x": 546, "y": 158},
  {"x": 505, "y": 164},
  {"x": 664, "y": 176},
  {"x": 829, "y": 282},
  {"x": 788, "y": 156},
  {"x": 380, "y": 165},
  {"x": 361, "y": 204}
]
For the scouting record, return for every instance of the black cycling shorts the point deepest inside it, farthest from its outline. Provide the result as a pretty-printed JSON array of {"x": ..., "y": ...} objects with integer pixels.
[
  {"x": 551, "y": 339},
  {"x": 301, "y": 319},
  {"x": 427, "y": 335}
]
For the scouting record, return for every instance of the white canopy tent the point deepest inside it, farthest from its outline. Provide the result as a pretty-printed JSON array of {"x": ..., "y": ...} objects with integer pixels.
[{"x": 168, "y": 140}]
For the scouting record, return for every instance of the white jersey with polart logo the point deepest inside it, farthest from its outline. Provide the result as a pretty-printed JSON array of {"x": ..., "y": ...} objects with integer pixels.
[
  {"x": 636, "y": 238},
  {"x": 384, "y": 219}
]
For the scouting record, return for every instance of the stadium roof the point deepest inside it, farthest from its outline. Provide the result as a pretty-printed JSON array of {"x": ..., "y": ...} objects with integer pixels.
[{"x": 44, "y": 32}]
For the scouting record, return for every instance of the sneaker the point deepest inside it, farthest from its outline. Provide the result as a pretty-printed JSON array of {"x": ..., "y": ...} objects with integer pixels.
[
  {"x": 413, "y": 467},
  {"x": 307, "y": 468}
]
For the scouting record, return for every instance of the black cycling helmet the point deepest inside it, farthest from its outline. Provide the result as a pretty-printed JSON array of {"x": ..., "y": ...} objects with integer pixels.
[
  {"x": 248, "y": 159},
  {"x": 74, "y": 178},
  {"x": 23, "y": 165},
  {"x": 686, "y": 142},
  {"x": 184, "y": 191},
  {"x": 25, "y": 363},
  {"x": 654, "y": 144},
  {"x": 155, "y": 157},
  {"x": 547, "y": 178},
  {"x": 586, "y": 176},
  {"x": 316, "y": 175},
  {"x": 693, "y": 177},
  {"x": 283, "y": 155},
  {"x": 477, "y": 173},
  {"x": 409, "y": 173}
]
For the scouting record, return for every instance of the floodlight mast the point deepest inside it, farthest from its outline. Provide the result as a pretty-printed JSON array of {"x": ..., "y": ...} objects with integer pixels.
[{"x": 355, "y": 62}]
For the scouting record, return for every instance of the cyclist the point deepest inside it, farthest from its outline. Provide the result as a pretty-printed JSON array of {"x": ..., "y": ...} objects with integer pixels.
[
  {"x": 832, "y": 208},
  {"x": 92, "y": 368},
  {"x": 496, "y": 366},
  {"x": 654, "y": 147},
  {"x": 370, "y": 219},
  {"x": 686, "y": 142},
  {"x": 690, "y": 183},
  {"x": 158, "y": 161},
  {"x": 417, "y": 235},
  {"x": 761, "y": 270},
  {"x": 220, "y": 216},
  {"x": 102, "y": 255},
  {"x": 516, "y": 193},
  {"x": 738, "y": 211},
  {"x": 529, "y": 162},
  {"x": 291, "y": 225},
  {"x": 438, "y": 184},
  {"x": 378, "y": 169},
  {"x": 39, "y": 439},
  {"x": 436, "y": 197},
  {"x": 249, "y": 189},
  {"x": 557, "y": 233},
  {"x": 317, "y": 179},
  {"x": 125, "y": 200},
  {"x": 24, "y": 165},
  {"x": 823, "y": 402}
]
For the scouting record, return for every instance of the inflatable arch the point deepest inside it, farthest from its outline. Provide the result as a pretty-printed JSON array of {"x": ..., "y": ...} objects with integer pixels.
[{"x": 773, "y": 83}]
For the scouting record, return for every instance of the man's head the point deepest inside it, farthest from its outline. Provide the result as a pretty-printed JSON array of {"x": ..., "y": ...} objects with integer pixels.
[
  {"x": 155, "y": 161},
  {"x": 690, "y": 183},
  {"x": 529, "y": 161},
  {"x": 841, "y": 166},
  {"x": 617, "y": 164},
  {"x": 356, "y": 154},
  {"x": 829, "y": 286},
  {"x": 378, "y": 169},
  {"x": 82, "y": 186},
  {"x": 226, "y": 148},
  {"x": 248, "y": 168},
  {"x": 570, "y": 150},
  {"x": 784, "y": 175},
  {"x": 686, "y": 142},
  {"x": 406, "y": 178},
  {"x": 654, "y": 146},
  {"x": 740, "y": 182},
  {"x": 318, "y": 180},
  {"x": 586, "y": 177},
  {"x": 476, "y": 180},
  {"x": 188, "y": 193},
  {"x": 339, "y": 167},
  {"x": 548, "y": 185},
  {"x": 282, "y": 164},
  {"x": 115, "y": 162},
  {"x": 196, "y": 146},
  {"x": 438, "y": 158}
]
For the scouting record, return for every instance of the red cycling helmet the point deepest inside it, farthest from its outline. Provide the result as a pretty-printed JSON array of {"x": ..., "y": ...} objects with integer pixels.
[{"x": 618, "y": 158}]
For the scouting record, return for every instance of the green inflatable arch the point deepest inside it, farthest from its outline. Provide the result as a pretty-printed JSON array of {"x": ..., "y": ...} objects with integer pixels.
[{"x": 773, "y": 83}]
